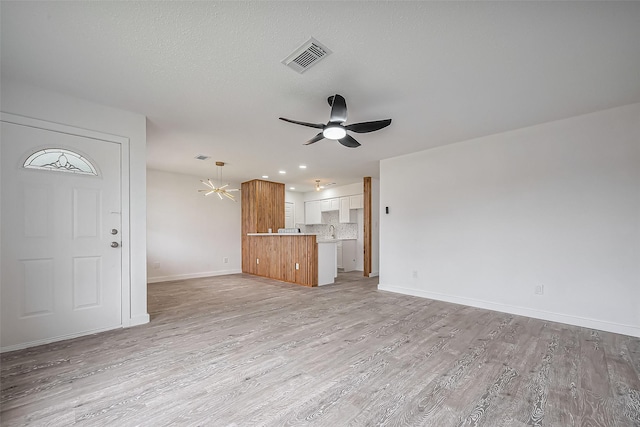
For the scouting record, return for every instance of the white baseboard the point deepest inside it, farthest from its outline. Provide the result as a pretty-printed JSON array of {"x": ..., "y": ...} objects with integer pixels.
[
  {"x": 585, "y": 322},
  {"x": 140, "y": 319},
  {"x": 55, "y": 339},
  {"x": 160, "y": 279}
]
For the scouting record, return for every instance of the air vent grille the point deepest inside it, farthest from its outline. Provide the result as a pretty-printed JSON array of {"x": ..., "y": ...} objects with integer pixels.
[
  {"x": 307, "y": 55},
  {"x": 202, "y": 157}
]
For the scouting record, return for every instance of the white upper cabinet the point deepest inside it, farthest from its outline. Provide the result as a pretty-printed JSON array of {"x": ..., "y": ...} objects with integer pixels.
[
  {"x": 344, "y": 216},
  {"x": 330, "y": 205},
  {"x": 313, "y": 209},
  {"x": 313, "y": 212},
  {"x": 356, "y": 202}
]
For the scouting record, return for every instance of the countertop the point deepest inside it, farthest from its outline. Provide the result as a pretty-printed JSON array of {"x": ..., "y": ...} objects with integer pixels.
[
  {"x": 318, "y": 239},
  {"x": 281, "y": 234}
]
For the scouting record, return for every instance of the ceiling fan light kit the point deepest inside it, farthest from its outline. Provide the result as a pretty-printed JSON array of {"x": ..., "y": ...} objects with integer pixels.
[
  {"x": 220, "y": 191},
  {"x": 334, "y": 132},
  {"x": 335, "y": 128}
]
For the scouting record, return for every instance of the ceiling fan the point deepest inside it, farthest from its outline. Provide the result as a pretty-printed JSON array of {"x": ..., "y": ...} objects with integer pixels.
[
  {"x": 335, "y": 128},
  {"x": 220, "y": 191}
]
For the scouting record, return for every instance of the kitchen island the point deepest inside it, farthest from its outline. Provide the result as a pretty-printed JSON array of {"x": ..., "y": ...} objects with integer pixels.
[{"x": 296, "y": 258}]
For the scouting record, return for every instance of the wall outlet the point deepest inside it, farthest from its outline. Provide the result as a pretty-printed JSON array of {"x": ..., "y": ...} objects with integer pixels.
[
  {"x": 414, "y": 274},
  {"x": 225, "y": 260},
  {"x": 297, "y": 266},
  {"x": 156, "y": 265},
  {"x": 257, "y": 260},
  {"x": 539, "y": 290}
]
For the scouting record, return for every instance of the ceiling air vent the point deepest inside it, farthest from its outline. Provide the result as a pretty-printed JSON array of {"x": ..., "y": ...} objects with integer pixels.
[
  {"x": 306, "y": 56},
  {"x": 202, "y": 157}
]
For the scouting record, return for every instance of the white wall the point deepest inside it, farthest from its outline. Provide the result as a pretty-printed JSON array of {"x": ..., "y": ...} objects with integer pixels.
[
  {"x": 40, "y": 104},
  {"x": 484, "y": 221},
  {"x": 189, "y": 234},
  {"x": 331, "y": 192}
]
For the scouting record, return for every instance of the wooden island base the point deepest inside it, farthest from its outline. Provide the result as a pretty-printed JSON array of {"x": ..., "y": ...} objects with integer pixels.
[{"x": 275, "y": 256}]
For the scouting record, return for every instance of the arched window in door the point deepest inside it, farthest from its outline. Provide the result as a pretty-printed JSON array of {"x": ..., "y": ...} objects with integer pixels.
[{"x": 60, "y": 160}]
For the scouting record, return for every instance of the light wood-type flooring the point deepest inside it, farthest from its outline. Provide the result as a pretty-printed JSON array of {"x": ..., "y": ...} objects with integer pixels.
[{"x": 244, "y": 351}]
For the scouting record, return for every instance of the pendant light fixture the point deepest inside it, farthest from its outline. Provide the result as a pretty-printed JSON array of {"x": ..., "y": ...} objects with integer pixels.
[{"x": 220, "y": 191}]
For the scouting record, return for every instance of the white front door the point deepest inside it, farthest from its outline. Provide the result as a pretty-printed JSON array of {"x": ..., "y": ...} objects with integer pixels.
[{"x": 61, "y": 277}]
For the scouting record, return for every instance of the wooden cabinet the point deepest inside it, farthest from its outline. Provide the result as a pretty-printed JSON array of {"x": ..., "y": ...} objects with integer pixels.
[{"x": 313, "y": 212}]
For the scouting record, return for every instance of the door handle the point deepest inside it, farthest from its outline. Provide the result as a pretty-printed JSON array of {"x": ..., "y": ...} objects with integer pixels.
[{"x": 114, "y": 244}]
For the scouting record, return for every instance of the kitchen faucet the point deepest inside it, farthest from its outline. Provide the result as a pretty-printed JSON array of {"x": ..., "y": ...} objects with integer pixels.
[{"x": 332, "y": 230}]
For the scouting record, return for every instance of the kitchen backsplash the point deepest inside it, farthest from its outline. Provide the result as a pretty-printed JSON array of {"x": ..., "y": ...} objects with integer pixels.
[{"x": 342, "y": 231}]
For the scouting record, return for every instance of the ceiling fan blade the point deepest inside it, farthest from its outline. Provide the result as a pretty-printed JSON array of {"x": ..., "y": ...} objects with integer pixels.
[
  {"x": 348, "y": 141},
  {"x": 338, "y": 109},
  {"x": 365, "y": 127},
  {"x": 311, "y": 125},
  {"x": 316, "y": 138}
]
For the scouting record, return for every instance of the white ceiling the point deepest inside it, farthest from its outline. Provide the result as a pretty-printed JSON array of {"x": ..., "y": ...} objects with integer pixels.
[{"x": 209, "y": 79}]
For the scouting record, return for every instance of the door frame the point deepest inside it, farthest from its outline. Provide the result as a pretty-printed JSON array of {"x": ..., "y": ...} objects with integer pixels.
[{"x": 125, "y": 276}]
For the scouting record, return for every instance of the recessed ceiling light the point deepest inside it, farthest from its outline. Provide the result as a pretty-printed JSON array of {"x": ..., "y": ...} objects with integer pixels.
[
  {"x": 265, "y": 176},
  {"x": 282, "y": 172},
  {"x": 303, "y": 166},
  {"x": 292, "y": 188}
]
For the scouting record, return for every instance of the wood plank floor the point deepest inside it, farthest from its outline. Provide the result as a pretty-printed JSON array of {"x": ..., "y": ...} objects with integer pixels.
[{"x": 244, "y": 351}]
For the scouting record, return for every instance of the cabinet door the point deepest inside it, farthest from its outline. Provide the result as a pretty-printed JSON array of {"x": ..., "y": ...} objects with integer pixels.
[
  {"x": 349, "y": 255},
  {"x": 356, "y": 202},
  {"x": 325, "y": 205},
  {"x": 344, "y": 216},
  {"x": 312, "y": 212},
  {"x": 335, "y": 204}
]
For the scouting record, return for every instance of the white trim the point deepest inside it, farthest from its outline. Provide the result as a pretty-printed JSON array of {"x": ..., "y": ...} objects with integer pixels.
[
  {"x": 125, "y": 316},
  {"x": 57, "y": 127},
  {"x": 585, "y": 322},
  {"x": 140, "y": 319},
  {"x": 160, "y": 279},
  {"x": 55, "y": 339}
]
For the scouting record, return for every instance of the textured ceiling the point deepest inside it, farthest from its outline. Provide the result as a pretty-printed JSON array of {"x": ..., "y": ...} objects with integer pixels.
[{"x": 209, "y": 79}]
